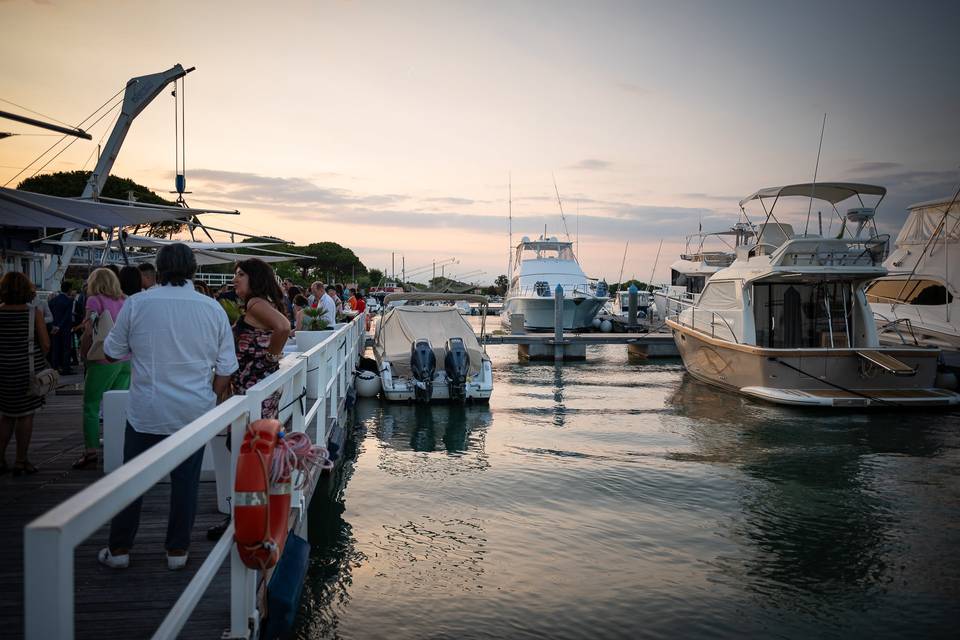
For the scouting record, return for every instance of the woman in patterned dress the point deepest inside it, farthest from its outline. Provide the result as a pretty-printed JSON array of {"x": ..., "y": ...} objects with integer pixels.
[
  {"x": 17, "y": 404},
  {"x": 261, "y": 331}
]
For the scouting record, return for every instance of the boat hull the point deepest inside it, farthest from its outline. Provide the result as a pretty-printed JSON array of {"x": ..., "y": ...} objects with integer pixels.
[
  {"x": 539, "y": 312},
  {"x": 811, "y": 377}
]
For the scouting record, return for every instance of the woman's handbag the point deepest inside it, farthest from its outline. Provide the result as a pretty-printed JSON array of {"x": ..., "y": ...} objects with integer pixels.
[
  {"x": 102, "y": 324},
  {"x": 46, "y": 380}
]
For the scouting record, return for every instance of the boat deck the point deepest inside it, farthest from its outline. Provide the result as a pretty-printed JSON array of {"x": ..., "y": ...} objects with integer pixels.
[{"x": 109, "y": 603}]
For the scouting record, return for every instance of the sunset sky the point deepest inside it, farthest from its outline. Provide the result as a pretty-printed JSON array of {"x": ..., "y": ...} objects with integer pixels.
[{"x": 393, "y": 126}]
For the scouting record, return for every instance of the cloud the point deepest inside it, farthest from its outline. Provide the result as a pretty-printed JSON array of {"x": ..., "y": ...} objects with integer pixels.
[
  {"x": 710, "y": 196},
  {"x": 591, "y": 164},
  {"x": 874, "y": 167},
  {"x": 299, "y": 199}
]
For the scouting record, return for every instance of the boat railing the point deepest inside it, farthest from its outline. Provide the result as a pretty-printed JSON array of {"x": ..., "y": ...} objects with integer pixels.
[
  {"x": 548, "y": 290},
  {"x": 894, "y": 303},
  {"x": 713, "y": 324},
  {"x": 831, "y": 252},
  {"x": 893, "y": 326},
  {"x": 51, "y": 539}
]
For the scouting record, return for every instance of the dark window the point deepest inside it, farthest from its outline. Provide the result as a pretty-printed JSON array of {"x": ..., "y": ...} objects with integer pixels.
[{"x": 916, "y": 292}]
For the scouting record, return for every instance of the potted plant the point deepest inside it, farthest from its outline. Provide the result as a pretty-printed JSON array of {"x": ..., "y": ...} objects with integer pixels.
[{"x": 315, "y": 329}]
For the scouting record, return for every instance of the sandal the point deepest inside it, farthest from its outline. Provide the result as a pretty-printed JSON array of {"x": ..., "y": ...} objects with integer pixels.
[
  {"x": 24, "y": 468},
  {"x": 85, "y": 460}
]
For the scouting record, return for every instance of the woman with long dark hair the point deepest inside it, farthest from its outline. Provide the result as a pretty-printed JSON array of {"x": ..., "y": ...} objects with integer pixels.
[{"x": 261, "y": 331}]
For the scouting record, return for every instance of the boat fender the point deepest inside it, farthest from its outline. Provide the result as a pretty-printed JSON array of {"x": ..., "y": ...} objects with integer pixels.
[
  {"x": 606, "y": 326},
  {"x": 946, "y": 380},
  {"x": 285, "y": 588}
]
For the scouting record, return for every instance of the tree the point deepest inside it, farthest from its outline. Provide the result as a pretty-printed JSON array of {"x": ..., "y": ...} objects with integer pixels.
[
  {"x": 70, "y": 184},
  {"x": 502, "y": 283}
]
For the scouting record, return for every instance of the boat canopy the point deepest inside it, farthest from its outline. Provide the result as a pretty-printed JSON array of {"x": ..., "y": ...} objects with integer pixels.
[
  {"x": 428, "y": 296},
  {"x": 36, "y": 211},
  {"x": 832, "y": 192},
  {"x": 925, "y": 218},
  {"x": 401, "y": 326}
]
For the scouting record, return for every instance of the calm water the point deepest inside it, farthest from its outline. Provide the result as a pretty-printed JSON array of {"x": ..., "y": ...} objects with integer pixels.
[{"x": 614, "y": 499}]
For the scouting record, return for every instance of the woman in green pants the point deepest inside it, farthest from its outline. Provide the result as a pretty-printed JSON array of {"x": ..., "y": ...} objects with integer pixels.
[{"x": 104, "y": 297}]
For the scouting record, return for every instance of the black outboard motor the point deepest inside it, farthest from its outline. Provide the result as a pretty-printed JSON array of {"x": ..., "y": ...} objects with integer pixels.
[
  {"x": 423, "y": 364},
  {"x": 457, "y": 365}
]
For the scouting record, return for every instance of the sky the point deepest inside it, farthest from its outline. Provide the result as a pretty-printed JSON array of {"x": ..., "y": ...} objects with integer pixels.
[{"x": 402, "y": 128}]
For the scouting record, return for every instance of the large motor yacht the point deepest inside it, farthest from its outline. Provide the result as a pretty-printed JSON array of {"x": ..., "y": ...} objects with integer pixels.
[
  {"x": 788, "y": 321},
  {"x": 538, "y": 267},
  {"x": 917, "y": 303}
]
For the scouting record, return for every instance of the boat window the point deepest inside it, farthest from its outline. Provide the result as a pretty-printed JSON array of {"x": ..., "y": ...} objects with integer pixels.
[
  {"x": 693, "y": 283},
  {"x": 719, "y": 295},
  {"x": 792, "y": 316},
  {"x": 915, "y": 292}
]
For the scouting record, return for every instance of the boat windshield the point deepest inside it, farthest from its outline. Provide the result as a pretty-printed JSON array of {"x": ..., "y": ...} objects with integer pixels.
[
  {"x": 546, "y": 251},
  {"x": 923, "y": 292},
  {"x": 804, "y": 315}
]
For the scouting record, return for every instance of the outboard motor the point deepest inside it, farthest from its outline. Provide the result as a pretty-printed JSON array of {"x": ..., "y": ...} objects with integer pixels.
[
  {"x": 423, "y": 364},
  {"x": 457, "y": 365},
  {"x": 541, "y": 288}
]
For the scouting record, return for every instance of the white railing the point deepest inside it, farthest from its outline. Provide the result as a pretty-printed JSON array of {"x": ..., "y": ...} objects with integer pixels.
[
  {"x": 215, "y": 279},
  {"x": 50, "y": 540}
]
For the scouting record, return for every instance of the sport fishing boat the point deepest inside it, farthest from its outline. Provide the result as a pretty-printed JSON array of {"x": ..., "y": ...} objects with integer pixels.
[
  {"x": 916, "y": 303},
  {"x": 788, "y": 321},
  {"x": 538, "y": 267},
  {"x": 689, "y": 274},
  {"x": 428, "y": 352}
]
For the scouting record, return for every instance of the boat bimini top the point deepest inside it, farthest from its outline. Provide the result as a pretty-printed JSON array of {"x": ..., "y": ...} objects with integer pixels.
[{"x": 832, "y": 192}]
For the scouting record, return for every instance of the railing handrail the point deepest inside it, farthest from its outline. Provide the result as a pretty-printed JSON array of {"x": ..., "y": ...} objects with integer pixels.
[{"x": 50, "y": 540}]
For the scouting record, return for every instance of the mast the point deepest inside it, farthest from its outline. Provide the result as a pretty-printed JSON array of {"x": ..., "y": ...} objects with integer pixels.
[
  {"x": 138, "y": 94},
  {"x": 509, "y": 229}
]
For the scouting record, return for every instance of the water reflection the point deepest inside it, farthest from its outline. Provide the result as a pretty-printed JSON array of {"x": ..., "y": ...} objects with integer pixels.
[{"x": 814, "y": 534}]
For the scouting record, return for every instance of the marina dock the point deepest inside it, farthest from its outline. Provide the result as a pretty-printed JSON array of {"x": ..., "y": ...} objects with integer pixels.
[
  {"x": 55, "y": 521},
  {"x": 536, "y": 346}
]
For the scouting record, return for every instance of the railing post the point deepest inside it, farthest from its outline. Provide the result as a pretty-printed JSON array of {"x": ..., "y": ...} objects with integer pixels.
[{"x": 47, "y": 585}]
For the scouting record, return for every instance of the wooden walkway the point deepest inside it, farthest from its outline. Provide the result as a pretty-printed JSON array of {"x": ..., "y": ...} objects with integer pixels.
[{"x": 109, "y": 603}]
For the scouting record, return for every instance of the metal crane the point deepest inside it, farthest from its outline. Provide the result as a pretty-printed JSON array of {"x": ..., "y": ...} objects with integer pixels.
[{"x": 138, "y": 94}]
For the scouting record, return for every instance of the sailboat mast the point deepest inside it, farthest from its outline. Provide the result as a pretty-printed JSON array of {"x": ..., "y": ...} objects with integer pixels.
[{"x": 509, "y": 226}]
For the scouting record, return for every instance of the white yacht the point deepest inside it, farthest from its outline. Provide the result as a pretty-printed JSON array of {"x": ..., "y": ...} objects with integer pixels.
[
  {"x": 916, "y": 303},
  {"x": 426, "y": 352},
  {"x": 788, "y": 321},
  {"x": 538, "y": 267},
  {"x": 689, "y": 274}
]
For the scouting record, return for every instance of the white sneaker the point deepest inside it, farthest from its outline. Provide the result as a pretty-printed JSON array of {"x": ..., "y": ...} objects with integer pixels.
[
  {"x": 175, "y": 563},
  {"x": 107, "y": 559}
]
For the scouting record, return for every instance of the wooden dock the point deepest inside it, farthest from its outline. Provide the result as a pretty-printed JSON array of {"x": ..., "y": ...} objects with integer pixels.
[{"x": 109, "y": 603}]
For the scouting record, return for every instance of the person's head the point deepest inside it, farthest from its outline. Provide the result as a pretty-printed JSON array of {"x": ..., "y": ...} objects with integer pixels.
[
  {"x": 148, "y": 274},
  {"x": 294, "y": 291},
  {"x": 175, "y": 264},
  {"x": 300, "y": 302},
  {"x": 316, "y": 288},
  {"x": 254, "y": 278},
  {"x": 287, "y": 283},
  {"x": 339, "y": 289},
  {"x": 332, "y": 292},
  {"x": 114, "y": 268},
  {"x": 201, "y": 287},
  {"x": 130, "y": 280},
  {"x": 16, "y": 288},
  {"x": 104, "y": 282},
  {"x": 353, "y": 293},
  {"x": 66, "y": 286}
]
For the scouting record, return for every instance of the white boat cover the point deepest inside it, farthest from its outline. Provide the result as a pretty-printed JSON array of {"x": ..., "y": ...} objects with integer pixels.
[
  {"x": 924, "y": 219},
  {"x": 832, "y": 192},
  {"x": 34, "y": 210},
  {"x": 401, "y": 326}
]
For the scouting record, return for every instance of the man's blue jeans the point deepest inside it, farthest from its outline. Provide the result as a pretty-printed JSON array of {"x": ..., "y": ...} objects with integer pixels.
[{"x": 184, "y": 484}]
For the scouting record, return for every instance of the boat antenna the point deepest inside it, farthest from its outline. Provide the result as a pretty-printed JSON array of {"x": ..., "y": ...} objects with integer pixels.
[
  {"x": 509, "y": 223},
  {"x": 816, "y": 168},
  {"x": 652, "y": 271},
  {"x": 560, "y": 204}
]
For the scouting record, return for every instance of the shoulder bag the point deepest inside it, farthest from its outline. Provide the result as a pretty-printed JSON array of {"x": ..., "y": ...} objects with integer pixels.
[
  {"x": 102, "y": 324},
  {"x": 46, "y": 380}
]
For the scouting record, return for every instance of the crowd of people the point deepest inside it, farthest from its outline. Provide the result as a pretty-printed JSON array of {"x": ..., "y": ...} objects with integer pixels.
[{"x": 164, "y": 336}]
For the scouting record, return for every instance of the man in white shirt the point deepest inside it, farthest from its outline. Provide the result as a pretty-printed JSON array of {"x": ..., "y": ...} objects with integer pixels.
[
  {"x": 182, "y": 354},
  {"x": 329, "y": 308}
]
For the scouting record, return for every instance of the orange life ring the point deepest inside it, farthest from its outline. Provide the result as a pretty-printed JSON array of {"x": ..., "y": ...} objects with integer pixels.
[{"x": 262, "y": 509}]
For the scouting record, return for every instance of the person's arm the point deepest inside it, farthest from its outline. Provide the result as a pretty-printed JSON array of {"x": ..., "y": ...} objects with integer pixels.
[
  {"x": 221, "y": 387},
  {"x": 268, "y": 317},
  {"x": 40, "y": 329},
  {"x": 226, "y": 357}
]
